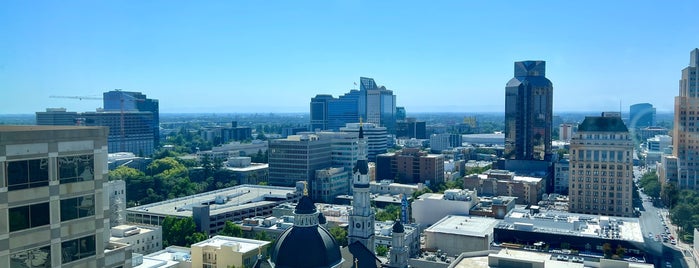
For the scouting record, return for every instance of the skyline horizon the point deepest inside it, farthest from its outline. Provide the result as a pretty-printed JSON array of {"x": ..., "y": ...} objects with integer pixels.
[{"x": 246, "y": 57}]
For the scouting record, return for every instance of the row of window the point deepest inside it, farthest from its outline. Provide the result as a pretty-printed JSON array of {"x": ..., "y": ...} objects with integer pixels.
[
  {"x": 604, "y": 180},
  {"x": 72, "y": 250},
  {"x": 24, "y": 174},
  {"x": 36, "y": 215}
]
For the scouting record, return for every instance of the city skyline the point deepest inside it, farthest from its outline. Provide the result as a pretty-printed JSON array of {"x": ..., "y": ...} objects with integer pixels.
[{"x": 249, "y": 57}]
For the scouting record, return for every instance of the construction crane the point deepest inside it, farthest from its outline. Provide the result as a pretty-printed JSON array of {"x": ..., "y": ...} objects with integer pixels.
[{"x": 121, "y": 104}]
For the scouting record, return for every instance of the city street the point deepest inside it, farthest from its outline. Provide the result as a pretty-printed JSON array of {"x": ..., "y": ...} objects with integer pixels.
[{"x": 651, "y": 220}]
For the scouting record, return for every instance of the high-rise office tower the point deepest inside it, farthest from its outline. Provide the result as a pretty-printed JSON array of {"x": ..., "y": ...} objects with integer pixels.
[
  {"x": 297, "y": 158},
  {"x": 528, "y": 112},
  {"x": 641, "y": 115},
  {"x": 377, "y": 137},
  {"x": 685, "y": 136},
  {"x": 361, "y": 221},
  {"x": 128, "y": 101},
  {"x": 135, "y": 135},
  {"x": 379, "y": 103},
  {"x": 601, "y": 167},
  {"x": 373, "y": 103},
  {"x": 329, "y": 113},
  {"x": 52, "y": 202}
]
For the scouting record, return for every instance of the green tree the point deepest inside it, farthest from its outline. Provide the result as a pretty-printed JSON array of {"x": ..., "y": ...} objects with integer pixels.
[
  {"x": 262, "y": 236},
  {"x": 125, "y": 173},
  {"x": 180, "y": 232},
  {"x": 607, "y": 250},
  {"x": 340, "y": 235},
  {"x": 389, "y": 213},
  {"x": 381, "y": 250},
  {"x": 231, "y": 229}
]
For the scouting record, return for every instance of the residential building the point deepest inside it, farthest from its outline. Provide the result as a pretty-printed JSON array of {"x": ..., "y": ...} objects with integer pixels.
[
  {"x": 641, "y": 115},
  {"x": 528, "y": 112},
  {"x": 454, "y": 234},
  {"x": 53, "y": 203},
  {"x": 410, "y": 165},
  {"x": 225, "y": 251},
  {"x": 429, "y": 208},
  {"x": 601, "y": 168},
  {"x": 377, "y": 138},
  {"x": 211, "y": 210},
  {"x": 57, "y": 117},
  {"x": 297, "y": 157},
  {"x": 686, "y": 125},
  {"x": 526, "y": 189},
  {"x": 144, "y": 239}
]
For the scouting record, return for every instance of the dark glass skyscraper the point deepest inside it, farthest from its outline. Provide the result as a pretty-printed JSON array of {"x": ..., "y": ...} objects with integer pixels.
[{"x": 528, "y": 112}]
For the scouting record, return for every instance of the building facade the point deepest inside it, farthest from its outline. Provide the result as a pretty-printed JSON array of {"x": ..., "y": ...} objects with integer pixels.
[
  {"x": 377, "y": 138},
  {"x": 53, "y": 206},
  {"x": 641, "y": 115},
  {"x": 296, "y": 158},
  {"x": 411, "y": 129},
  {"x": 527, "y": 190},
  {"x": 601, "y": 168},
  {"x": 57, "y": 117},
  {"x": 410, "y": 165},
  {"x": 119, "y": 100},
  {"x": 686, "y": 125},
  {"x": 528, "y": 112},
  {"x": 136, "y": 135}
]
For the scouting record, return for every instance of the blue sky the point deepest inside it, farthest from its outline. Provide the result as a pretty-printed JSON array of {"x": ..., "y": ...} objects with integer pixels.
[{"x": 273, "y": 56}]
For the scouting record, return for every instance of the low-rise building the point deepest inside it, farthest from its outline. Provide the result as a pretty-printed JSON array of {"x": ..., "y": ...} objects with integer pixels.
[
  {"x": 246, "y": 172},
  {"x": 494, "y": 207},
  {"x": 392, "y": 188},
  {"x": 508, "y": 257},
  {"x": 570, "y": 230},
  {"x": 429, "y": 208},
  {"x": 383, "y": 235},
  {"x": 211, "y": 210},
  {"x": 528, "y": 190},
  {"x": 329, "y": 183},
  {"x": 225, "y": 251},
  {"x": 170, "y": 257},
  {"x": 456, "y": 234},
  {"x": 143, "y": 239}
]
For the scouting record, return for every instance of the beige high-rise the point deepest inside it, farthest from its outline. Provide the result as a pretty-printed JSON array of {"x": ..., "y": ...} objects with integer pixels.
[
  {"x": 53, "y": 212},
  {"x": 686, "y": 127},
  {"x": 601, "y": 167}
]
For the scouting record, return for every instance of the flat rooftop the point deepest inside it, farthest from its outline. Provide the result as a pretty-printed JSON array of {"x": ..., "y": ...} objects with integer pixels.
[
  {"x": 220, "y": 201},
  {"x": 464, "y": 225},
  {"x": 244, "y": 245},
  {"x": 558, "y": 222},
  {"x": 168, "y": 257}
]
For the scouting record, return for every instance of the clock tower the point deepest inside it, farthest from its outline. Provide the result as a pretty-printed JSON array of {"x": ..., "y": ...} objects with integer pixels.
[{"x": 361, "y": 220}]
